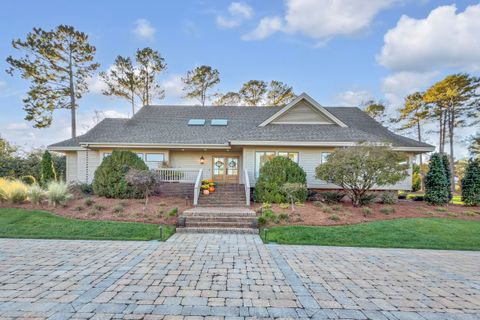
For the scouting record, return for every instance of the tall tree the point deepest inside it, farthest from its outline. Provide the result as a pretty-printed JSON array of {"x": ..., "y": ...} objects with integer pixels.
[
  {"x": 199, "y": 81},
  {"x": 57, "y": 63},
  {"x": 149, "y": 63},
  {"x": 455, "y": 98},
  {"x": 228, "y": 99},
  {"x": 253, "y": 92},
  {"x": 471, "y": 183},
  {"x": 375, "y": 109},
  {"x": 474, "y": 147},
  {"x": 122, "y": 80},
  {"x": 436, "y": 182},
  {"x": 47, "y": 169},
  {"x": 279, "y": 94}
]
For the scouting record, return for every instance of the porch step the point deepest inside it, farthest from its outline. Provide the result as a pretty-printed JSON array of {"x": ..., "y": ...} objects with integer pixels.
[
  {"x": 218, "y": 230},
  {"x": 225, "y": 195},
  {"x": 218, "y": 220}
]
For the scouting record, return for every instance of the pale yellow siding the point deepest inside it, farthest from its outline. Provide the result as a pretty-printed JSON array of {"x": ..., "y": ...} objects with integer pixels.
[
  {"x": 302, "y": 112},
  {"x": 71, "y": 160}
]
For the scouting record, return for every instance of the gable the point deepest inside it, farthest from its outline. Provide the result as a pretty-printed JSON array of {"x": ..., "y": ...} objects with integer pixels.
[
  {"x": 303, "y": 110},
  {"x": 303, "y": 113}
]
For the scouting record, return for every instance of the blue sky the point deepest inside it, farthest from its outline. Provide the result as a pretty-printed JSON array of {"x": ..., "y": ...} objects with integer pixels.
[{"x": 340, "y": 52}]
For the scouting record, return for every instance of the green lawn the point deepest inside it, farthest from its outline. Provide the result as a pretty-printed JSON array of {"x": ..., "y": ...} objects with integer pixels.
[
  {"x": 18, "y": 223},
  {"x": 431, "y": 233}
]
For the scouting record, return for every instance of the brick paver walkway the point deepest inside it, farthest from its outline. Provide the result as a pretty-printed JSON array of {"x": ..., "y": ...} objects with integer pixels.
[{"x": 232, "y": 277}]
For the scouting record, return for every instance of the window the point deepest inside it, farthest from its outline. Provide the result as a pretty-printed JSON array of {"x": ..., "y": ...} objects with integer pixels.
[
  {"x": 262, "y": 157},
  {"x": 196, "y": 122},
  {"x": 325, "y": 156},
  {"x": 154, "y": 160},
  {"x": 219, "y": 122},
  {"x": 290, "y": 155}
]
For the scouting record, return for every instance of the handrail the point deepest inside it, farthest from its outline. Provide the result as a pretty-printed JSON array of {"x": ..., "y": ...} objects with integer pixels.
[
  {"x": 177, "y": 174},
  {"x": 246, "y": 180},
  {"x": 198, "y": 184}
]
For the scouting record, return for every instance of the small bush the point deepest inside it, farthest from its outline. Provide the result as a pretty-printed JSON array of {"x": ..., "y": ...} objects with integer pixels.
[
  {"x": 337, "y": 207},
  {"x": 326, "y": 209},
  {"x": 283, "y": 217},
  {"x": 99, "y": 207},
  {"x": 109, "y": 179},
  {"x": 78, "y": 208},
  {"x": 387, "y": 210},
  {"x": 88, "y": 202},
  {"x": 173, "y": 212},
  {"x": 441, "y": 209},
  {"x": 452, "y": 214},
  {"x": 83, "y": 188},
  {"x": 367, "y": 211},
  {"x": 335, "y": 217},
  {"x": 262, "y": 221},
  {"x": 332, "y": 197},
  {"x": 28, "y": 180},
  {"x": 162, "y": 204},
  {"x": 402, "y": 195},
  {"x": 118, "y": 208},
  {"x": 93, "y": 212},
  {"x": 13, "y": 191},
  {"x": 57, "y": 193},
  {"x": 266, "y": 205},
  {"x": 469, "y": 213},
  {"x": 388, "y": 198},
  {"x": 367, "y": 198},
  {"x": 273, "y": 175},
  {"x": 284, "y": 205},
  {"x": 419, "y": 197},
  {"x": 35, "y": 194}
]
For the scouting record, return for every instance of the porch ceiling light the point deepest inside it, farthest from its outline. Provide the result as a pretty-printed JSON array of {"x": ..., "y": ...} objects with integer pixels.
[{"x": 202, "y": 160}]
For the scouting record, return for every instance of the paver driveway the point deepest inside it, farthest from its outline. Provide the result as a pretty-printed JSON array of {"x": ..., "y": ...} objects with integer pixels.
[{"x": 232, "y": 276}]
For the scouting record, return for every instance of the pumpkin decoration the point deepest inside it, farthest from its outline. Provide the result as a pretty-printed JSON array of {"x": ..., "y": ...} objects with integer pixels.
[
  {"x": 211, "y": 189},
  {"x": 206, "y": 192}
]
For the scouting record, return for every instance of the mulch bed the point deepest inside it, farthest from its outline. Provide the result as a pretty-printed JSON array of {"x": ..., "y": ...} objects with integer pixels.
[
  {"x": 102, "y": 208},
  {"x": 309, "y": 214}
]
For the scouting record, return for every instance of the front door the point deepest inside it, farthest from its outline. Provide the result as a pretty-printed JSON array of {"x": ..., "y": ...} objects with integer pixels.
[{"x": 225, "y": 169}]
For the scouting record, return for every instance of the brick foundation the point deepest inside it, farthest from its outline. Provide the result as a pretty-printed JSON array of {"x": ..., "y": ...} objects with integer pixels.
[{"x": 175, "y": 189}]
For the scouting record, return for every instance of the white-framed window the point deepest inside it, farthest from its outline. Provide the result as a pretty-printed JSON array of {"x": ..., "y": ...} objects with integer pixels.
[
  {"x": 154, "y": 160},
  {"x": 262, "y": 157},
  {"x": 290, "y": 155},
  {"x": 325, "y": 156}
]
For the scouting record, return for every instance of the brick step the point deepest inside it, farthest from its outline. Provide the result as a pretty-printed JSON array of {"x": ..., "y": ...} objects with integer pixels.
[
  {"x": 210, "y": 224},
  {"x": 220, "y": 205},
  {"x": 219, "y": 212},
  {"x": 217, "y": 218},
  {"x": 218, "y": 230}
]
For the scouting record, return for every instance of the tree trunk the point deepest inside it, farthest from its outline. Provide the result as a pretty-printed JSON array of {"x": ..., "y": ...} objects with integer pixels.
[
  {"x": 72, "y": 98},
  {"x": 421, "y": 158},
  {"x": 440, "y": 122},
  {"x": 452, "y": 165}
]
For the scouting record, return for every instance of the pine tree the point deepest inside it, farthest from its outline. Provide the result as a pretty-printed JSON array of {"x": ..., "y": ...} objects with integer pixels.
[
  {"x": 471, "y": 184},
  {"x": 47, "y": 169},
  {"x": 436, "y": 183},
  {"x": 448, "y": 173}
]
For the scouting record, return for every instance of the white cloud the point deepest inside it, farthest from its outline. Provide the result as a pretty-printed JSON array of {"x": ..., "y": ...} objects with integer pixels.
[
  {"x": 398, "y": 85},
  {"x": 353, "y": 98},
  {"x": 266, "y": 27},
  {"x": 17, "y": 126},
  {"x": 173, "y": 86},
  {"x": 444, "y": 39},
  {"x": 144, "y": 29},
  {"x": 96, "y": 85},
  {"x": 323, "y": 19},
  {"x": 3, "y": 85},
  {"x": 238, "y": 12}
]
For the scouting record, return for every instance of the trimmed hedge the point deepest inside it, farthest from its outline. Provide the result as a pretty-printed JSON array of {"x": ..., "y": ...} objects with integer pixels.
[
  {"x": 273, "y": 175},
  {"x": 437, "y": 189},
  {"x": 109, "y": 180},
  {"x": 471, "y": 183}
]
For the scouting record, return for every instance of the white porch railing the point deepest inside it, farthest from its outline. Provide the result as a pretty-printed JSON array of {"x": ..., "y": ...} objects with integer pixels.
[
  {"x": 196, "y": 190},
  {"x": 177, "y": 175},
  {"x": 246, "y": 181}
]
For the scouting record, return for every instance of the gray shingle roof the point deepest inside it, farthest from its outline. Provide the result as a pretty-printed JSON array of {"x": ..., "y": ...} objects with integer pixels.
[{"x": 168, "y": 125}]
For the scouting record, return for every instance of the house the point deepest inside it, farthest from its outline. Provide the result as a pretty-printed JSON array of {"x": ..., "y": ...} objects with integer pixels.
[{"x": 231, "y": 143}]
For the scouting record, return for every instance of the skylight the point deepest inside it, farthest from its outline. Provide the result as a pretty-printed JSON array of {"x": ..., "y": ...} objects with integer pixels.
[
  {"x": 219, "y": 122},
  {"x": 196, "y": 122}
]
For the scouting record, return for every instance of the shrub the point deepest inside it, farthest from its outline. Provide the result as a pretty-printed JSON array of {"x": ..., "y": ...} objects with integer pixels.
[
  {"x": 262, "y": 221},
  {"x": 317, "y": 203},
  {"x": 326, "y": 209},
  {"x": 99, "y": 207},
  {"x": 83, "y": 188},
  {"x": 283, "y": 217},
  {"x": 388, "y": 198},
  {"x": 335, "y": 217},
  {"x": 294, "y": 191},
  {"x": 13, "y": 191},
  {"x": 35, "y": 194},
  {"x": 266, "y": 205},
  {"x": 419, "y": 197},
  {"x": 448, "y": 174},
  {"x": 471, "y": 183},
  {"x": 284, "y": 205},
  {"x": 332, "y": 197},
  {"x": 387, "y": 210},
  {"x": 358, "y": 169},
  {"x": 416, "y": 178},
  {"x": 57, "y": 193},
  {"x": 47, "y": 169},
  {"x": 109, "y": 179},
  {"x": 142, "y": 180},
  {"x": 367, "y": 211},
  {"x": 29, "y": 180},
  {"x": 337, "y": 207},
  {"x": 118, "y": 208},
  {"x": 78, "y": 208},
  {"x": 88, "y": 202},
  {"x": 273, "y": 175},
  {"x": 173, "y": 212},
  {"x": 402, "y": 195},
  {"x": 367, "y": 198},
  {"x": 436, "y": 183}
]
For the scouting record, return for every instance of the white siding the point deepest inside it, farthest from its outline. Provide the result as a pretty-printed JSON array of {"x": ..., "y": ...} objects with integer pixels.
[
  {"x": 71, "y": 159},
  {"x": 302, "y": 112},
  {"x": 309, "y": 159}
]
